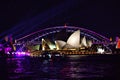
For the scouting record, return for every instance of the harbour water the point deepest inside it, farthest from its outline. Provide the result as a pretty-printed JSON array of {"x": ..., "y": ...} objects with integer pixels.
[{"x": 70, "y": 68}]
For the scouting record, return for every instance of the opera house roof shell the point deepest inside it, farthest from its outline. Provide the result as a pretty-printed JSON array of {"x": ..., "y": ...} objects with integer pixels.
[{"x": 73, "y": 42}]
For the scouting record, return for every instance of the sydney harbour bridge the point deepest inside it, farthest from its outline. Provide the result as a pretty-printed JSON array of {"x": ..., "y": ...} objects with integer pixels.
[
  {"x": 36, "y": 36},
  {"x": 61, "y": 33}
]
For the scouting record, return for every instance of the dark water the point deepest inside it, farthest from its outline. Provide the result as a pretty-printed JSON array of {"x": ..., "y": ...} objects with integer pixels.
[{"x": 26, "y": 68}]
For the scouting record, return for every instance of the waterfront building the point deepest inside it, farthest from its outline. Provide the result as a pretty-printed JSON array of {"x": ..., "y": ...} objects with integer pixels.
[{"x": 67, "y": 40}]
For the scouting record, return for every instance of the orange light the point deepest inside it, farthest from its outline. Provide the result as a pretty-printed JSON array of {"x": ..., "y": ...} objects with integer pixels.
[
  {"x": 110, "y": 39},
  {"x": 118, "y": 44}
]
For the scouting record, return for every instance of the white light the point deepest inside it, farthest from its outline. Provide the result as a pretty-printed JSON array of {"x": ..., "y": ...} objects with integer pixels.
[
  {"x": 8, "y": 52},
  {"x": 100, "y": 50},
  {"x": 49, "y": 55},
  {"x": 74, "y": 39}
]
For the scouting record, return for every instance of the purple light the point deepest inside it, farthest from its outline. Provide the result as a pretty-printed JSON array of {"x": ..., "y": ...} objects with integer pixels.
[
  {"x": 8, "y": 49},
  {"x": 1, "y": 49},
  {"x": 20, "y": 53}
]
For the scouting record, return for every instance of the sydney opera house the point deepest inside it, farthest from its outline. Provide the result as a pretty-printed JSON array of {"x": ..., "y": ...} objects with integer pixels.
[
  {"x": 65, "y": 40},
  {"x": 74, "y": 42}
]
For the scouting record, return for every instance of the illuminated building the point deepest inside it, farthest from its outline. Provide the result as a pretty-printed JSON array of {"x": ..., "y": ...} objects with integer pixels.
[
  {"x": 73, "y": 43},
  {"x": 63, "y": 39}
]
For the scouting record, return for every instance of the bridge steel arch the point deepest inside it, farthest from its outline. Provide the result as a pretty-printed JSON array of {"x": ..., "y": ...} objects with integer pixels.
[
  {"x": 38, "y": 35},
  {"x": 52, "y": 30}
]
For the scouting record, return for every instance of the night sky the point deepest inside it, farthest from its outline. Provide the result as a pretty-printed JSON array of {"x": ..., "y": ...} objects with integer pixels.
[{"x": 19, "y": 17}]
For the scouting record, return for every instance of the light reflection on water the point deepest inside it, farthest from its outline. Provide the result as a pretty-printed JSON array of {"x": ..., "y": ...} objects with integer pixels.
[{"x": 37, "y": 69}]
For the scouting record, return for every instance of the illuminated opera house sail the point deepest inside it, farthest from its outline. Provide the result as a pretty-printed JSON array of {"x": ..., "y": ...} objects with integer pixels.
[{"x": 74, "y": 42}]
